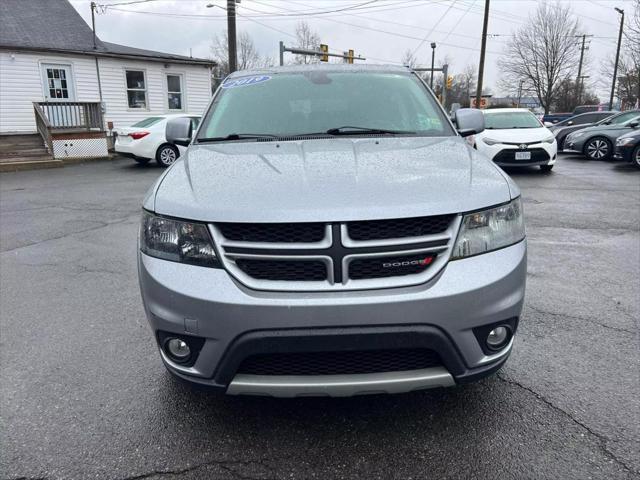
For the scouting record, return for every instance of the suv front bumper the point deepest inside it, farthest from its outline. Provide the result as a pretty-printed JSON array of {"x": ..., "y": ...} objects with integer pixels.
[{"x": 237, "y": 322}]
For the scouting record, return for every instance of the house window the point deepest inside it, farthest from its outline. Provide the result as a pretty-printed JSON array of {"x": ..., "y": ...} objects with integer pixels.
[
  {"x": 174, "y": 91},
  {"x": 136, "y": 89},
  {"x": 57, "y": 83}
]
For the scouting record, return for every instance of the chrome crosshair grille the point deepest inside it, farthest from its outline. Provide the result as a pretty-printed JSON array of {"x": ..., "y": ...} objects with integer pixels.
[{"x": 336, "y": 256}]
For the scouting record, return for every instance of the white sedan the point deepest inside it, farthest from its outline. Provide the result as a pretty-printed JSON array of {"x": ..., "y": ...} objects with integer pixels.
[
  {"x": 146, "y": 140},
  {"x": 514, "y": 137}
]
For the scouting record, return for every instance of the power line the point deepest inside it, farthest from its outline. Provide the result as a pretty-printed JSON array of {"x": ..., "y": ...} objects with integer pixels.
[{"x": 431, "y": 31}]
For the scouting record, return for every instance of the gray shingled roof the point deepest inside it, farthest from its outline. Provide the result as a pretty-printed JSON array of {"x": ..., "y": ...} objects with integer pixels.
[{"x": 54, "y": 25}]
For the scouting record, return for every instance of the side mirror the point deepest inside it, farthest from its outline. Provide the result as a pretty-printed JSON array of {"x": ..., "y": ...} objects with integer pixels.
[
  {"x": 179, "y": 131},
  {"x": 570, "y": 122},
  {"x": 634, "y": 124},
  {"x": 469, "y": 121},
  {"x": 548, "y": 124}
]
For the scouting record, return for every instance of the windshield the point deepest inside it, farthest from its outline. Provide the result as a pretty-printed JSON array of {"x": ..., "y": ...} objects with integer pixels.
[
  {"x": 621, "y": 118},
  {"x": 500, "y": 120},
  {"x": 147, "y": 122},
  {"x": 314, "y": 102}
]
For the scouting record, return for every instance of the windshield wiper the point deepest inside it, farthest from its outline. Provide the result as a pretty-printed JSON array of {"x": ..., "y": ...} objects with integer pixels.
[
  {"x": 349, "y": 130},
  {"x": 238, "y": 136}
]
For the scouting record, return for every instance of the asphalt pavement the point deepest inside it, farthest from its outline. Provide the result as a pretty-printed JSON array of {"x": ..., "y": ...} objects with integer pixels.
[{"x": 84, "y": 394}]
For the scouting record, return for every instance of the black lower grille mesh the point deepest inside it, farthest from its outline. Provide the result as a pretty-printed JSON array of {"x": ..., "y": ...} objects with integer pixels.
[
  {"x": 290, "y": 270},
  {"x": 340, "y": 363},
  {"x": 399, "y": 227},
  {"x": 509, "y": 156},
  {"x": 389, "y": 266}
]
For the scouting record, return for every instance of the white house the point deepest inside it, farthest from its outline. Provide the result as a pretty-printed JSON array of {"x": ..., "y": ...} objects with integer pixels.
[{"x": 58, "y": 80}]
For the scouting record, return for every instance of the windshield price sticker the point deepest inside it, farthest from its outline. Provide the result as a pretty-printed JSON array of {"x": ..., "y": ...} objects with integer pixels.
[{"x": 245, "y": 81}]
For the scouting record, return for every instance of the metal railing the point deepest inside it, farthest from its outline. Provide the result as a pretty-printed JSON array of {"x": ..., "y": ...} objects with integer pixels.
[{"x": 65, "y": 116}]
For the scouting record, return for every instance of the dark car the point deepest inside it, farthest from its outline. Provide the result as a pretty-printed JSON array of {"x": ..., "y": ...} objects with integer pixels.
[
  {"x": 550, "y": 119},
  {"x": 596, "y": 142},
  {"x": 585, "y": 109},
  {"x": 628, "y": 148},
  {"x": 562, "y": 129}
]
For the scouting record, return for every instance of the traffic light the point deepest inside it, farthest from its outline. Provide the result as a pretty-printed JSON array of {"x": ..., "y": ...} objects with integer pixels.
[
  {"x": 325, "y": 49},
  {"x": 351, "y": 55},
  {"x": 449, "y": 82}
]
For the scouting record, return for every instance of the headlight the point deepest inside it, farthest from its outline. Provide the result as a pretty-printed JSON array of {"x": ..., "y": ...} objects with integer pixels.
[
  {"x": 549, "y": 140},
  {"x": 624, "y": 141},
  {"x": 490, "y": 141},
  {"x": 489, "y": 230},
  {"x": 177, "y": 241}
]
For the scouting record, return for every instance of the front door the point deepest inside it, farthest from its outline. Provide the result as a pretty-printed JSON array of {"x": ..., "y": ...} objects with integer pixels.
[
  {"x": 58, "y": 87},
  {"x": 58, "y": 83}
]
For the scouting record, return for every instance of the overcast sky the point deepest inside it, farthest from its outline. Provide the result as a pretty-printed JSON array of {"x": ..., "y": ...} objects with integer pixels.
[{"x": 380, "y": 30}]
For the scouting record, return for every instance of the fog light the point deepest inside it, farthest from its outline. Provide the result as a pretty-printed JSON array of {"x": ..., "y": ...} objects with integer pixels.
[
  {"x": 497, "y": 338},
  {"x": 178, "y": 349}
]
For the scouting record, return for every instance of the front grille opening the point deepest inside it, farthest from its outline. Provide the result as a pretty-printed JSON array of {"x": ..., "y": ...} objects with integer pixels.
[
  {"x": 389, "y": 266},
  {"x": 340, "y": 363},
  {"x": 273, "y": 232},
  {"x": 398, "y": 228},
  {"x": 285, "y": 270},
  {"x": 509, "y": 155}
]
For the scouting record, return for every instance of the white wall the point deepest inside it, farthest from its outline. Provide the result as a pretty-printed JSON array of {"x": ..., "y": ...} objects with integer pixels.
[
  {"x": 21, "y": 83},
  {"x": 196, "y": 89}
]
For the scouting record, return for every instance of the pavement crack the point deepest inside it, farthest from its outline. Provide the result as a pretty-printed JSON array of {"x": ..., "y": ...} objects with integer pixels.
[
  {"x": 69, "y": 234},
  {"x": 581, "y": 318},
  {"x": 225, "y": 465},
  {"x": 602, "y": 440}
]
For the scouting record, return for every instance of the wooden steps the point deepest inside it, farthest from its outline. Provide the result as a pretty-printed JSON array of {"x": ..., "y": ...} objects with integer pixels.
[{"x": 25, "y": 152}]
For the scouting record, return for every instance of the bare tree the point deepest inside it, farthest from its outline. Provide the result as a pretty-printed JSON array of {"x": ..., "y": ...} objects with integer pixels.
[
  {"x": 628, "y": 76},
  {"x": 543, "y": 52},
  {"x": 632, "y": 48},
  {"x": 628, "y": 79},
  {"x": 409, "y": 59},
  {"x": 248, "y": 55},
  {"x": 306, "y": 39}
]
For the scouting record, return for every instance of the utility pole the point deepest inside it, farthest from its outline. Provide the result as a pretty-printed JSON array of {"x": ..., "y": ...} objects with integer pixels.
[
  {"x": 433, "y": 61},
  {"x": 482, "y": 52},
  {"x": 231, "y": 30},
  {"x": 93, "y": 23},
  {"x": 579, "y": 79},
  {"x": 615, "y": 67},
  {"x": 520, "y": 93}
]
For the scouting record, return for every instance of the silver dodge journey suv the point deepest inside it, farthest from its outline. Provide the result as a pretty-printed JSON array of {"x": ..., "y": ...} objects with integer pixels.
[{"x": 330, "y": 232}]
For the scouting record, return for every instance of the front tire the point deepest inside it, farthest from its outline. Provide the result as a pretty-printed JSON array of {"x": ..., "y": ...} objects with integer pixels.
[
  {"x": 598, "y": 148},
  {"x": 635, "y": 157},
  {"x": 167, "y": 155},
  {"x": 546, "y": 168}
]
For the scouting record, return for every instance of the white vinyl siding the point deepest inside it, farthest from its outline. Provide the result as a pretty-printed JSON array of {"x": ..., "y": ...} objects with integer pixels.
[
  {"x": 196, "y": 84},
  {"x": 21, "y": 84}
]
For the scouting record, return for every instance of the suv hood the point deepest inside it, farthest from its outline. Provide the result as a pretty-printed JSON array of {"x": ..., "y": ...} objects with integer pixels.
[{"x": 338, "y": 179}]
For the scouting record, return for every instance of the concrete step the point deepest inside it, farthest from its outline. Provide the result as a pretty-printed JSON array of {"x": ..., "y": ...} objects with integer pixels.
[
  {"x": 34, "y": 139},
  {"x": 24, "y": 152},
  {"x": 29, "y": 163}
]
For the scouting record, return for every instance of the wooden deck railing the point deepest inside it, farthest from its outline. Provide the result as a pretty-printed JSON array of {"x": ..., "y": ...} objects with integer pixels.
[
  {"x": 43, "y": 126},
  {"x": 67, "y": 116}
]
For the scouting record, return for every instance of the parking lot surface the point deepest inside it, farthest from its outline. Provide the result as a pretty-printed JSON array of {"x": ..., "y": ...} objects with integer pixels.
[{"x": 84, "y": 394}]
